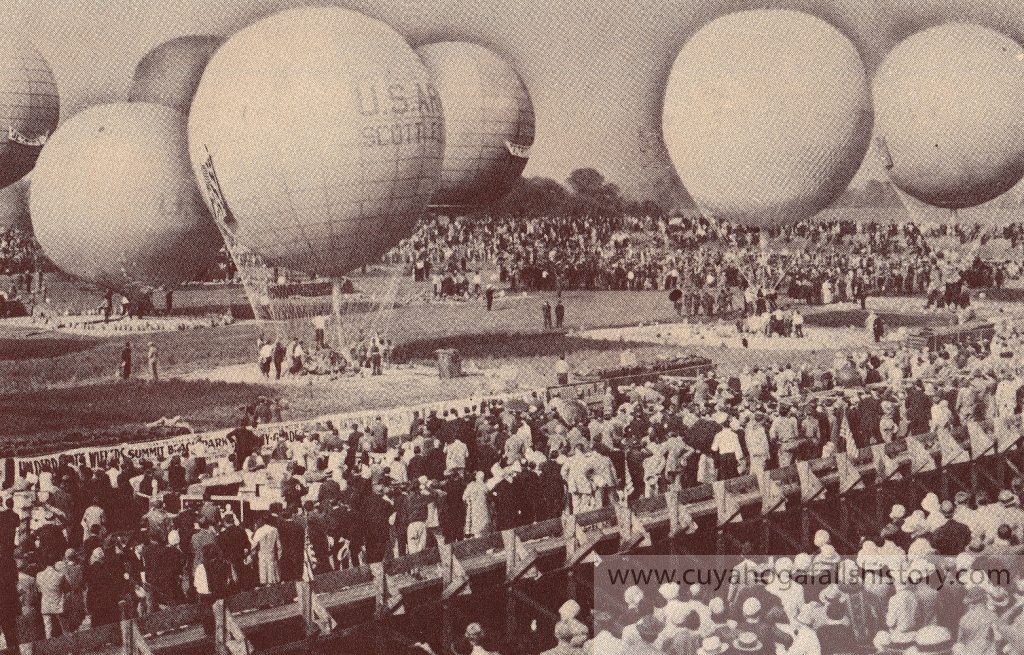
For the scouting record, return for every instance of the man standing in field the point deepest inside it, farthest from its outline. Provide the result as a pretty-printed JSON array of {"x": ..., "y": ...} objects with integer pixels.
[
  {"x": 153, "y": 357},
  {"x": 126, "y": 360},
  {"x": 562, "y": 370}
]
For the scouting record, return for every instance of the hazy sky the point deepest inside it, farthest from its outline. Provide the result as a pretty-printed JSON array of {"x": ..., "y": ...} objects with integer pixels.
[{"x": 596, "y": 69}]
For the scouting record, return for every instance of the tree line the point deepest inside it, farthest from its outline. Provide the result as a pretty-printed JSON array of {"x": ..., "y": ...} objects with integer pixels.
[{"x": 586, "y": 192}]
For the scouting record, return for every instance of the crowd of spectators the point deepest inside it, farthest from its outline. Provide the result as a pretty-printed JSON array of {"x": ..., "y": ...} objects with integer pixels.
[
  {"x": 77, "y": 541},
  {"x": 19, "y": 252},
  {"x": 817, "y": 262},
  {"x": 716, "y": 266},
  {"x": 91, "y": 537},
  {"x": 943, "y": 578}
]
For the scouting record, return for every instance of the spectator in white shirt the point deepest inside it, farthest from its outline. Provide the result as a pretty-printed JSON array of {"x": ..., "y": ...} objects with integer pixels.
[
  {"x": 267, "y": 542},
  {"x": 456, "y": 455}
]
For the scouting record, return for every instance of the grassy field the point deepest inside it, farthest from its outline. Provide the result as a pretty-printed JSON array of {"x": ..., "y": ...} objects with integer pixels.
[
  {"x": 56, "y": 388},
  {"x": 40, "y": 421}
]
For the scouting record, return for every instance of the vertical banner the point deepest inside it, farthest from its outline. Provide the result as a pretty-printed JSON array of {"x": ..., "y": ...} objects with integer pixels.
[
  {"x": 951, "y": 451},
  {"x": 886, "y": 467},
  {"x": 921, "y": 459},
  {"x": 773, "y": 498},
  {"x": 849, "y": 476},
  {"x": 810, "y": 486}
]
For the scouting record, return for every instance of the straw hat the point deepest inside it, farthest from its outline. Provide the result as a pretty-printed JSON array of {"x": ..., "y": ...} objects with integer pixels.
[
  {"x": 649, "y": 628},
  {"x": 747, "y": 642},
  {"x": 712, "y": 645},
  {"x": 933, "y": 640}
]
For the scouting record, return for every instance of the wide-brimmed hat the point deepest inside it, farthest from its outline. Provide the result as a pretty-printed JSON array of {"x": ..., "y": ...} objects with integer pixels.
[
  {"x": 712, "y": 645},
  {"x": 901, "y": 641},
  {"x": 747, "y": 642},
  {"x": 676, "y": 614},
  {"x": 933, "y": 640},
  {"x": 998, "y": 598}
]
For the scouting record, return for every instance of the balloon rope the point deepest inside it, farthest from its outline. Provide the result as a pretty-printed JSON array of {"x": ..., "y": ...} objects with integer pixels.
[{"x": 386, "y": 307}]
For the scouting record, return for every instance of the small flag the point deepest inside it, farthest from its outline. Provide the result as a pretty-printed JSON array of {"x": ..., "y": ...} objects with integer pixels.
[
  {"x": 1007, "y": 434},
  {"x": 773, "y": 499},
  {"x": 951, "y": 450},
  {"x": 846, "y": 434},
  {"x": 920, "y": 458},
  {"x": 810, "y": 485},
  {"x": 680, "y": 519},
  {"x": 887, "y": 468},
  {"x": 982, "y": 442},
  {"x": 849, "y": 477},
  {"x": 728, "y": 508}
]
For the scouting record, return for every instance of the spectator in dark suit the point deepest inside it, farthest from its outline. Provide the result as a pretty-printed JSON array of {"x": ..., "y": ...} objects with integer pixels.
[
  {"x": 9, "y": 602},
  {"x": 870, "y": 416},
  {"x": 953, "y": 536},
  {"x": 836, "y": 635},
  {"x": 234, "y": 544},
  {"x": 213, "y": 583},
  {"x": 293, "y": 547},
  {"x": 918, "y": 409}
]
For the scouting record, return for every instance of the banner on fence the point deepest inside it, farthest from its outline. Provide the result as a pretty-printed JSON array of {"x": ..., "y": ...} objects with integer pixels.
[{"x": 216, "y": 444}]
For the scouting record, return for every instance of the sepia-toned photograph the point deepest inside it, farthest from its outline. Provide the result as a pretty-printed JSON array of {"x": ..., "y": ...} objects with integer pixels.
[{"x": 511, "y": 327}]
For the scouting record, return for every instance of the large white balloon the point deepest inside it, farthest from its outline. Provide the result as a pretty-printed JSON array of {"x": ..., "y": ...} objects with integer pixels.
[
  {"x": 318, "y": 136},
  {"x": 488, "y": 119},
  {"x": 767, "y": 116},
  {"x": 114, "y": 201},
  {"x": 29, "y": 107},
  {"x": 169, "y": 73},
  {"x": 14, "y": 206},
  {"x": 950, "y": 107}
]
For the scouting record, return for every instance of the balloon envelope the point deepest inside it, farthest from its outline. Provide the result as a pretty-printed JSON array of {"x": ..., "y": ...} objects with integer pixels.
[
  {"x": 169, "y": 73},
  {"x": 317, "y": 158},
  {"x": 114, "y": 200},
  {"x": 29, "y": 107},
  {"x": 950, "y": 107},
  {"x": 14, "y": 212},
  {"x": 488, "y": 120},
  {"x": 767, "y": 116}
]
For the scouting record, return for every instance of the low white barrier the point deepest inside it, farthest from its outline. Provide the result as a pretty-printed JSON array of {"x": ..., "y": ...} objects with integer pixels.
[{"x": 217, "y": 444}]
